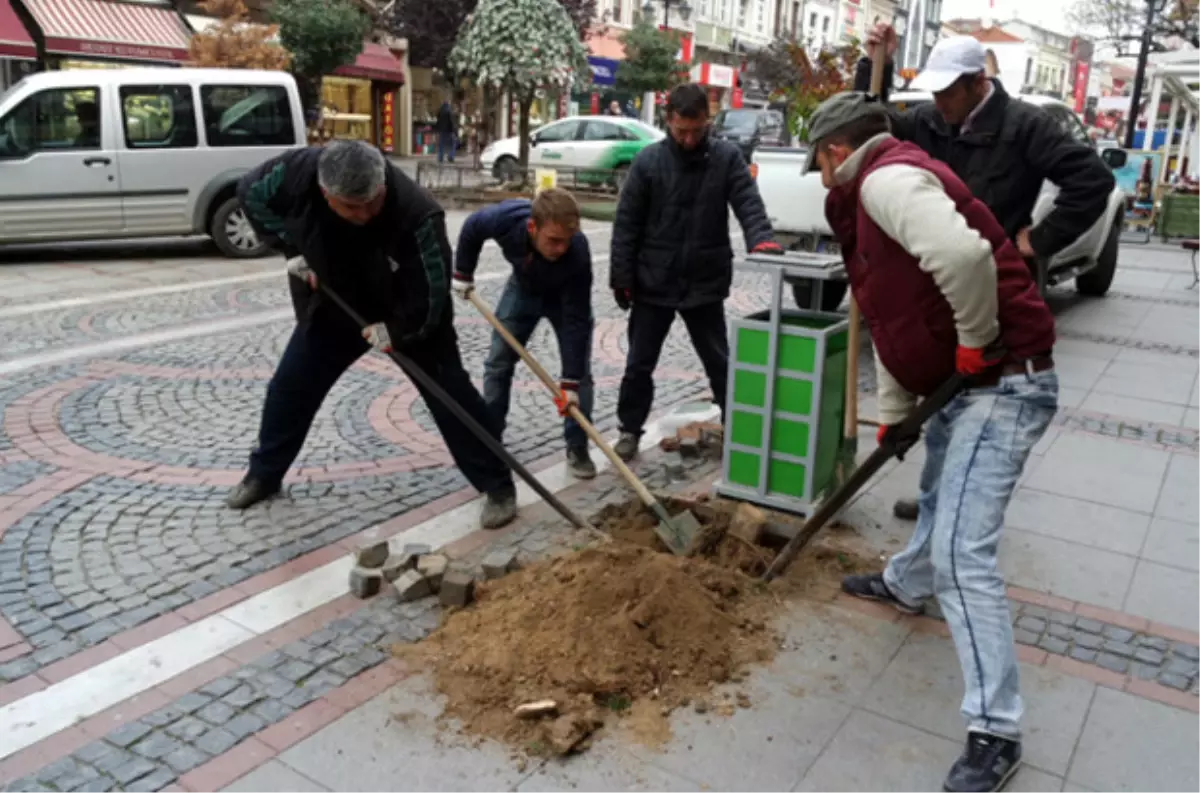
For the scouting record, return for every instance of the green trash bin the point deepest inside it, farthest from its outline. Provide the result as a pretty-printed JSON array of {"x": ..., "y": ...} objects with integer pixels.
[{"x": 786, "y": 399}]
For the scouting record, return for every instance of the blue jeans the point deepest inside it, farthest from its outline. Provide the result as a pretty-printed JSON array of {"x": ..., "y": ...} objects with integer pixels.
[
  {"x": 975, "y": 449},
  {"x": 445, "y": 146},
  {"x": 519, "y": 312}
]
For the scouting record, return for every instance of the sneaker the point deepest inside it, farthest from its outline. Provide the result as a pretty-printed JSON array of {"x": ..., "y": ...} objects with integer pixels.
[
  {"x": 871, "y": 587},
  {"x": 627, "y": 446},
  {"x": 906, "y": 509},
  {"x": 249, "y": 492},
  {"x": 499, "y": 509},
  {"x": 580, "y": 464},
  {"x": 987, "y": 763}
]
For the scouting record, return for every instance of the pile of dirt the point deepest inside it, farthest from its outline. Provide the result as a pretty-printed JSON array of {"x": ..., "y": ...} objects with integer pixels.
[
  {"x": 621, "y": 631},
  {"x": 597, "y": 632}
]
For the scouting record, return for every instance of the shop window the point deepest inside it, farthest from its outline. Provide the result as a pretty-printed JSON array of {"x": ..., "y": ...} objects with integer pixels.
[
  {"x": 158, "y": 116},
  {"x": 59, "y": 119},
  {"x": 603, "y": 130},
  {"x": 247, "y": 115}
]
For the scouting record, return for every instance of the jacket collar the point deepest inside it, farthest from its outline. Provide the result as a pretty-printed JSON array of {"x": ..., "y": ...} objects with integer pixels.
[{"x": 847, "y": 172}]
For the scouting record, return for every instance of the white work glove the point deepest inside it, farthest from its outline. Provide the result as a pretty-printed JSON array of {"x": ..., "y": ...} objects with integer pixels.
[
  {"x": 377, "y": 336},
  {"x": 297, "y": 267},
  {"x": 462, "y": 285}
]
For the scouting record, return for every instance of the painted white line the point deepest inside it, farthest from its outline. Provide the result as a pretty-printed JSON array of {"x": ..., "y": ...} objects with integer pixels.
[
  {"x": 46, "y": 712},
  {"x": 134, "y": 294}
]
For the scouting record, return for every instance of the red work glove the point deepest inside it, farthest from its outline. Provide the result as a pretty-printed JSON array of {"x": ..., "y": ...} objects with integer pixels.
[
  {"x": 624, "y": 298},
  {"x": 767, "y": 247},
  {"x": 972, "y": 360},
  {"x": 568, "y": 397}
]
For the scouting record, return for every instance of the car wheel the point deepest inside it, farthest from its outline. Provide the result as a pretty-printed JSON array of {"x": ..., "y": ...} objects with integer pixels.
[
  {"x": 231, "y": 231},
  {"x": 506, "y": 169},
  {"x": 1096, "y": 282}
]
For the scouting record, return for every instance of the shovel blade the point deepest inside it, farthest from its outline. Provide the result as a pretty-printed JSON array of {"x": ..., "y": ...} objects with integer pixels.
[{"x": 678, "y": 533}]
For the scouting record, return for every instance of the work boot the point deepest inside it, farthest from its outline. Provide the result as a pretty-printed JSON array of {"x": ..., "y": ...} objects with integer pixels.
[
  {"x": 871, "y": 587},
  {"x": 627, "y": 446},
  {"x": 249, "y": 492},
  {"x": 580, "y": 464},
  {"x": 499, "y": 509},
  {"x": 906, "y": 509},
  {"x": 987, "y": 763}
]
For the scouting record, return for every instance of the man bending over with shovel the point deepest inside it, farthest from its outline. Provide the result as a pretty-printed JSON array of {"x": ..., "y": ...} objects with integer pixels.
[
  {"x": 551, "y": 280},
  {"x": 942, "y": 289},
  {"x": 348, "y": 221}
]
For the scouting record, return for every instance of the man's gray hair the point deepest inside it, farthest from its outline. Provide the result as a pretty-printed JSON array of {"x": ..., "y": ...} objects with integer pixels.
[{"x": 352, "y": 170}]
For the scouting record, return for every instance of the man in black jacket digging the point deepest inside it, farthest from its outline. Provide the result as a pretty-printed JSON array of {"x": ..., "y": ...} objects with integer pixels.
[
  {"x": 1002, "y": 148},
  {"x": 671, "y": 252},
  {"x": 345, "y": 218}
]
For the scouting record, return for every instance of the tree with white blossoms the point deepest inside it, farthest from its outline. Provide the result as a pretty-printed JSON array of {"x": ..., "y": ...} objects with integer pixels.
[{"x": 521, "y": 46}]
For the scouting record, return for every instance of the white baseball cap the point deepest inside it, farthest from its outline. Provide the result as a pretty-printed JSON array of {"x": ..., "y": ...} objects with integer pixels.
[{"x": 950, "y": 59}]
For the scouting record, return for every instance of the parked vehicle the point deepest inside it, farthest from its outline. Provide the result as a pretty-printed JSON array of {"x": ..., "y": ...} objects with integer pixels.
[
  {"x": 750, "y": 129},
  {"x": 605, "y": 144},
  {"x": 140, "y": 152},
  {"x": 795, "y": 203}
]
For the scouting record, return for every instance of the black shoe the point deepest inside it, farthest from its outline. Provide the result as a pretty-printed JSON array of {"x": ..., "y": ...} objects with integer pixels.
[
  {"x": 500, "y": 509},
  {"x": 906, "y": 509},
  {"x": 249, "y": 492},
  {"x": 580, "y": 464},
  {"x": 627, "y": 446},
  {"x": 871, "y": 587},
  {"x": 987, "y": 763}
]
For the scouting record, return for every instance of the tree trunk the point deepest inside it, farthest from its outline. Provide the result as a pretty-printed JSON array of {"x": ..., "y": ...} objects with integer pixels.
[{"x": 525, "y": 103}]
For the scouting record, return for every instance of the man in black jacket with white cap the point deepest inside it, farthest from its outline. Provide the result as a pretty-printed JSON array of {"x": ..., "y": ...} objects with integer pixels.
[{"x": 1002, "y": 148}]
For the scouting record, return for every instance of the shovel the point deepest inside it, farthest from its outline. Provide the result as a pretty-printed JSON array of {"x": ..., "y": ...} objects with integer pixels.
[
  {"x": 679, "y": 532},
  {"x": 896, "y": 443},
  {"x": 420, "y": 376}
]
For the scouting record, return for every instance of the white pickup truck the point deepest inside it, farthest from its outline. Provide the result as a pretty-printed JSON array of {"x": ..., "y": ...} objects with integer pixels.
[{"x": 795, "y": 203}]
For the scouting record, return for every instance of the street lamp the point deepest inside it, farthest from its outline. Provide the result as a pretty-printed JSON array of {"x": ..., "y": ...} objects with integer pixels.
[{"x": 682, "y": 6}]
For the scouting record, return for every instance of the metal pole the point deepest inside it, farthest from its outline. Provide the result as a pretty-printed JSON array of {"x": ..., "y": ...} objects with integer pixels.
[{"x": 1136, "y": 99}]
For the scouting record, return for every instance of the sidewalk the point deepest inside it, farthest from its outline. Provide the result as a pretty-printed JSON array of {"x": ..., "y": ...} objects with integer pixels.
[
  {"x": 288, "y": 682},
  {"x": 1101, "y": 555}
]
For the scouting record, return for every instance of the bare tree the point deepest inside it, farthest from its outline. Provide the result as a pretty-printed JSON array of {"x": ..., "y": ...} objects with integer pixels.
[{"x": 1121, "y": 23}]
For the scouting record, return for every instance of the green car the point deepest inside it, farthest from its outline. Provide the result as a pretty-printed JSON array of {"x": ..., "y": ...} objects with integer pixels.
[{"x": 598, "y": 149}]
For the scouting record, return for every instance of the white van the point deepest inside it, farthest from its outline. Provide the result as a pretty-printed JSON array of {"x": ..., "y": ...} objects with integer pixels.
[{"x": 140, "y": 152}]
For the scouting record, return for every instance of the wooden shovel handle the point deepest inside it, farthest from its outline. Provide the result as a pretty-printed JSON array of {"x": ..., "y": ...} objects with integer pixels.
[{"x": 642, "y": 491}]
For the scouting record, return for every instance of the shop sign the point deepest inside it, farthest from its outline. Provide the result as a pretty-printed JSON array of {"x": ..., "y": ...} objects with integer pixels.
[
  {"x": 604, "y": 70},
  {"x": 107, "y": 49},
  {"x": 388, "y": 138},
  {"x": 714, "y": 75}
]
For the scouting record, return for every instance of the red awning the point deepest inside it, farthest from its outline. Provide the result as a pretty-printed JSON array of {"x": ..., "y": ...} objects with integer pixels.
[
  {"x": 375, "y": 62},
  {"x": 15, "y": 41},
  {"x": 105, "y": 29}
]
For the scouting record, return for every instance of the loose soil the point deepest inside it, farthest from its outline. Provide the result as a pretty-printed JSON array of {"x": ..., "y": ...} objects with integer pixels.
[{"x": 620, "y": 632}]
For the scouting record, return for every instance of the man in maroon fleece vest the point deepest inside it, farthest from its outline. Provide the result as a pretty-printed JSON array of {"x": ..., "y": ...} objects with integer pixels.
[{"x": 943, "y": 289}]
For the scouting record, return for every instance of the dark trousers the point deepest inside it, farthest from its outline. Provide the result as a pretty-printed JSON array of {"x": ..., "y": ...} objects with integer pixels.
[
  {"x": 445, "y": 146},
  {"x": 520, "y": 312},
  {"x": 648, "y": 328},
  {"x": 317, "y": 355}
]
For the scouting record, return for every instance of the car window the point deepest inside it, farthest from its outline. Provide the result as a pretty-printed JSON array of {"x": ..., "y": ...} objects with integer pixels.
[
  {"x": 737, "y": 120},
  {"x": 1068, "y": 122},
  {"x": 604, "y": 130},
  {"x": 57, "y": 119},
  {"x": 158, "y": 116},
  {"x": 563, "y": 130},
  {"x": 247, "y": 115}
]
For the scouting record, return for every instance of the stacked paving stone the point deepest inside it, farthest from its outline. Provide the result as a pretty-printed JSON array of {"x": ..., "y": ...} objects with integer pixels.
[{"x": 417, "y": 572}]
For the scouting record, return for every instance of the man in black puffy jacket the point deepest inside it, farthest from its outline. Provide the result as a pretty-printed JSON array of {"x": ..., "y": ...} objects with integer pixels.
[
  {"x": 1002, "y": 148},
  {"x": 671, "y": 252}
]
